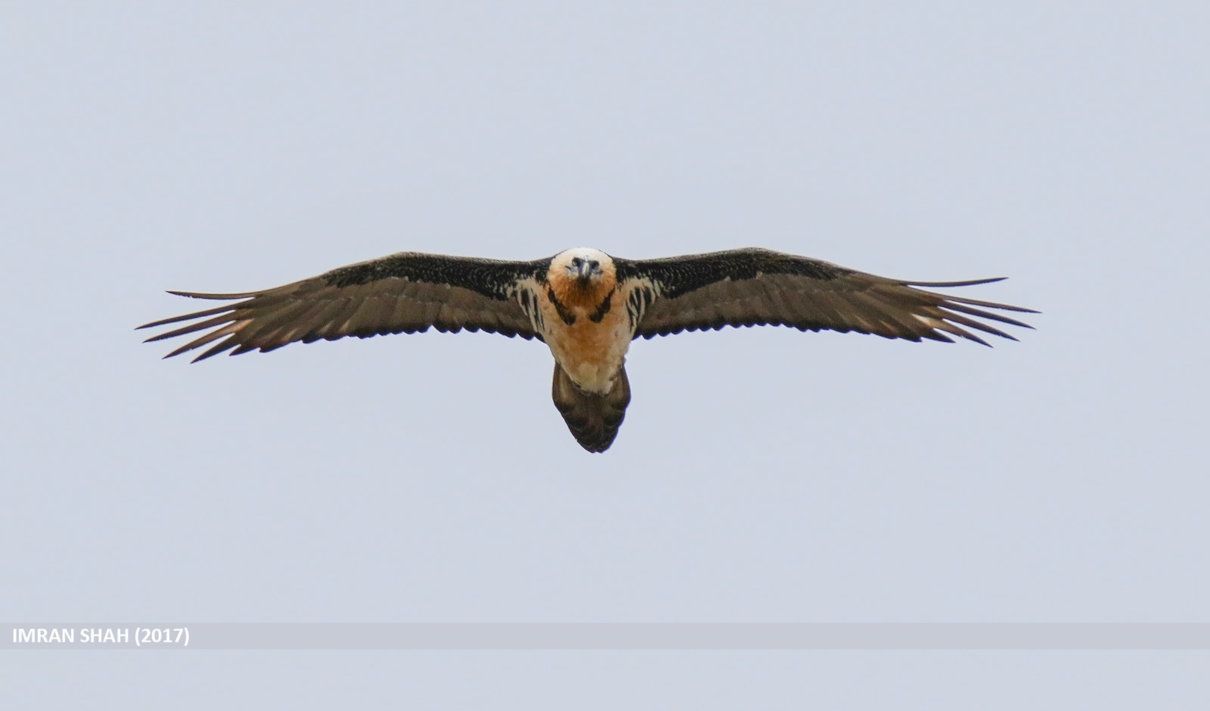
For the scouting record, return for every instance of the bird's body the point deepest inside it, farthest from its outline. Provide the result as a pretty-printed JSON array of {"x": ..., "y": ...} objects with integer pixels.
[
  {"x": 586, "y": 335},
  {"x": 587, "y": 307}
]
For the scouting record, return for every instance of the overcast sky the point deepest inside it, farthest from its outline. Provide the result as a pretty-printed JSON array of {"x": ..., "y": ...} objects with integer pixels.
[{"x": 761, "y": 475}]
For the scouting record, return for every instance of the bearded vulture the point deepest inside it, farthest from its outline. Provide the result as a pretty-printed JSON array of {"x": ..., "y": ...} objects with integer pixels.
[{"x": 587, "y": 307}]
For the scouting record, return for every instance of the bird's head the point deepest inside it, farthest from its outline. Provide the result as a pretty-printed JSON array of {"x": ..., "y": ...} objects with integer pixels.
[
  {"x": 582, "y": 276},
  {"x": 583, "y": 266}
]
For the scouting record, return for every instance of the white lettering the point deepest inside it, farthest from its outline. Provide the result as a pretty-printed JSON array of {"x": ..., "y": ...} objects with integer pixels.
[
  {"x": 104, "y": 635},
  {"x": 43, "y": 635}
]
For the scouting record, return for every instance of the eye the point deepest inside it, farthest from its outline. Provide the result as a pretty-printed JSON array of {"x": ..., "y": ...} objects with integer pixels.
[
  {"x": 594, "y": 264},
  {"x": 576, "y": 261}
]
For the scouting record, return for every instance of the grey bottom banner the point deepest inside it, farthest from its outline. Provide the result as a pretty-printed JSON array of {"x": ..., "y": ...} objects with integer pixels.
[{"x": 609, "y": 636}]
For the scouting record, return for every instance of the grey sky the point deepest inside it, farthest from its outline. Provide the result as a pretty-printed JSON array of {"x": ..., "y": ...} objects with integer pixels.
[{"x": 761, "y": 475}]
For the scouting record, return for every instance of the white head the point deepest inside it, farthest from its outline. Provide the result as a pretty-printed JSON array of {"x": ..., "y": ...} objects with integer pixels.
[
  {"x": 583, "y": 265},
  {"x": 582, "y": 277}
]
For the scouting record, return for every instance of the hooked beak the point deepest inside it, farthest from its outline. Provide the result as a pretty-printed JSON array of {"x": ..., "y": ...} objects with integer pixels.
[{"x": 584, "y": 273}]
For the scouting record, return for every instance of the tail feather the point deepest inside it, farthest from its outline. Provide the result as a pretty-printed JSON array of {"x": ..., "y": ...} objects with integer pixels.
[{"x": 592, "y": 418}]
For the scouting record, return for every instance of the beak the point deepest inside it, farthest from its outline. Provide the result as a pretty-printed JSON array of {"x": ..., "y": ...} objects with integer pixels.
[{"x": 585, "y": 272}]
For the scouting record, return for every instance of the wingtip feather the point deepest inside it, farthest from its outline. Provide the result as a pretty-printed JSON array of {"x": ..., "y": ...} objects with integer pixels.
[
  {"x": 205, "y": 295},
  {"x": 945, "y": 284}
]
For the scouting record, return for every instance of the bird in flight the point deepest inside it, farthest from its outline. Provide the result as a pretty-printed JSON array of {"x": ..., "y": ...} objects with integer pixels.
[{"x": 587, "y": 307}]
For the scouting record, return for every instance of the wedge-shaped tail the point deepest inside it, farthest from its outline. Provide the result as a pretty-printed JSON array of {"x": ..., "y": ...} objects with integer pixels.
[{"x": 592, "y": 418}]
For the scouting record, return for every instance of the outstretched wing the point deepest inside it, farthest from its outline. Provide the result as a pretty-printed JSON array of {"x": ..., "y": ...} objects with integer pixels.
[
  {"x": 402, "y": 293},
  {"x": 753, "y": 287}
]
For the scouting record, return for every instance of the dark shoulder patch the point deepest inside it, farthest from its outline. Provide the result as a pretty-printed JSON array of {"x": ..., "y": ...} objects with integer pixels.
[
  {"x": 680, "y": 275},
  {"x": 602, "y": 308},
  {"x": 491, "y": 278},
  {"x": 566, "y": 315}
]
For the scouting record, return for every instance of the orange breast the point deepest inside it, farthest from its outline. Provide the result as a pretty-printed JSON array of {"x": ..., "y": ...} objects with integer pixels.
[{"x": 591, "y": 352}]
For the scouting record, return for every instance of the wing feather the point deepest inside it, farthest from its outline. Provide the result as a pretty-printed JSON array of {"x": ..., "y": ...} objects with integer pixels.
[
  {"x": 747, "y": 287},
  {"x": 402, "y": 293}
]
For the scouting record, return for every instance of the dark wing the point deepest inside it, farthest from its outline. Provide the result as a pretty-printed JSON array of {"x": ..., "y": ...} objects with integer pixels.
[
  {"x": 402, "y": 293},
  {"x": 753, "y": 287}
]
